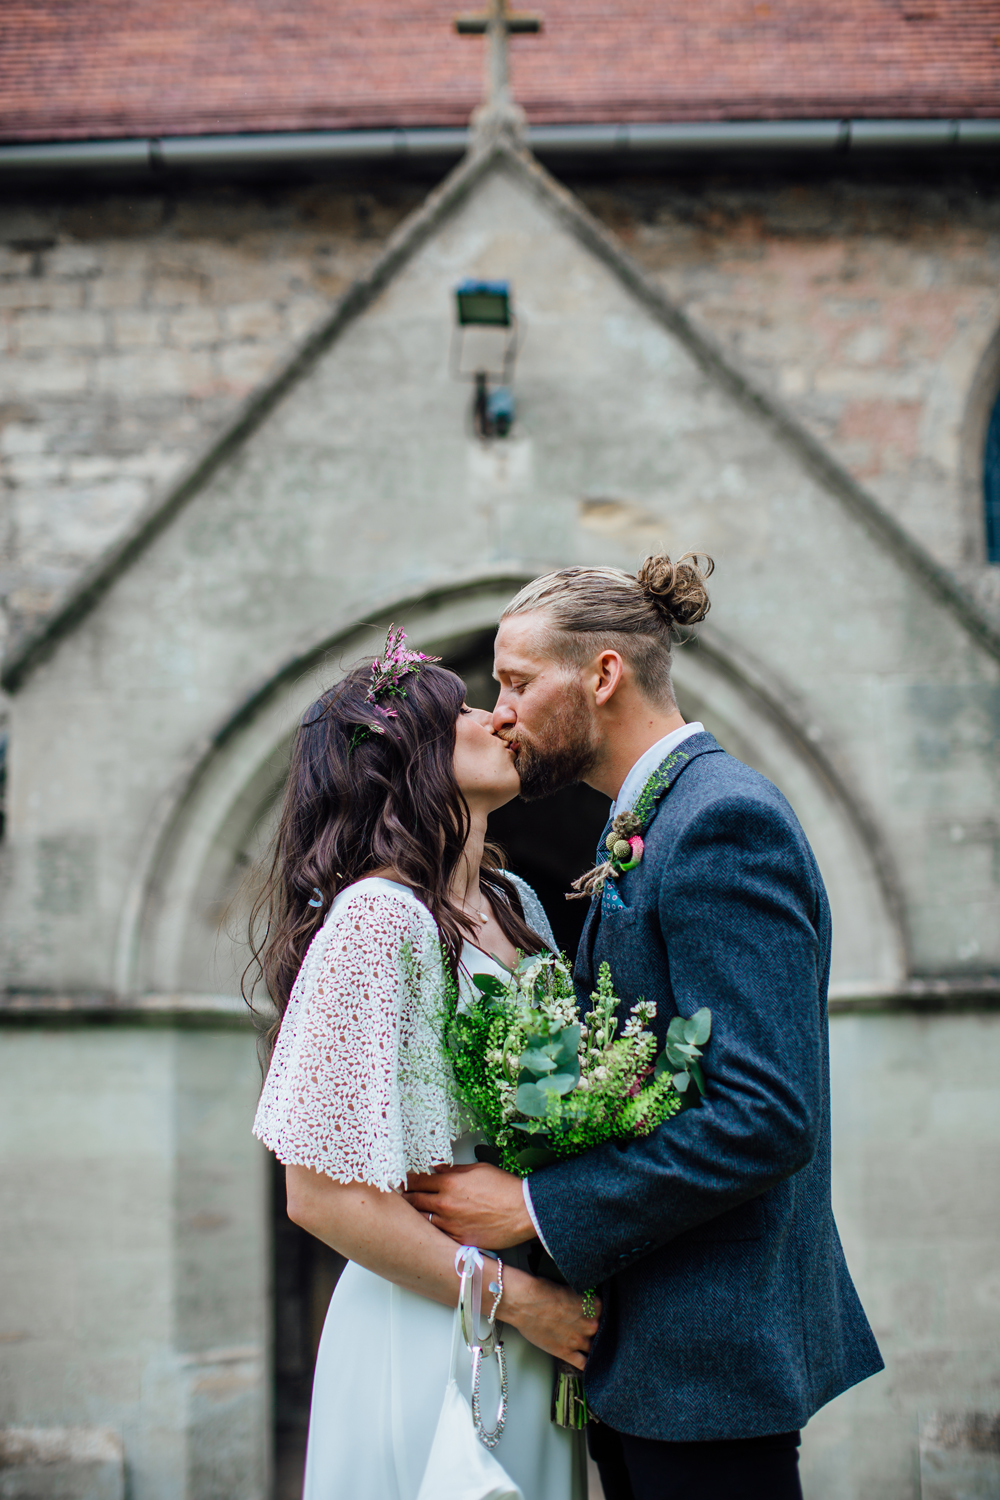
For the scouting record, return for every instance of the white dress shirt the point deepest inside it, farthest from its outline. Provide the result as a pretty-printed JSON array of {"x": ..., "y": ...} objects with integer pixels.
[{"x": 628, "y": 796}]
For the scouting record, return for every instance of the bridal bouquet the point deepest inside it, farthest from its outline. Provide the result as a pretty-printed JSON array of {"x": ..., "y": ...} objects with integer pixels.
[{"x": 544, "y": 1083}]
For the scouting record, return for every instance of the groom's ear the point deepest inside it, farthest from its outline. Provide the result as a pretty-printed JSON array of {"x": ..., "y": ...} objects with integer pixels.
[{"x": 607, "y": 671}]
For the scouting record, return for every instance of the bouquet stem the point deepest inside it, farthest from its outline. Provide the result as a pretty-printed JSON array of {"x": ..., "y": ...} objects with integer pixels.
[{"x": 569, "y": 1403}]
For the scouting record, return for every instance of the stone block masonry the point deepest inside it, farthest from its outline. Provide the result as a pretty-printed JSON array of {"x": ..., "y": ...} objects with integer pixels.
[
  {"x": 870, "y": 309},
  {"x": 130, "y": 331},
  {"x": 61, "y": 1463},
  {"x": 131, "y": 328}
]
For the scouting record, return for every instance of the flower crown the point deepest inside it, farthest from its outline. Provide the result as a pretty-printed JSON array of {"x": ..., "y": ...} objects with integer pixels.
[{"x": 388, "y": 671}]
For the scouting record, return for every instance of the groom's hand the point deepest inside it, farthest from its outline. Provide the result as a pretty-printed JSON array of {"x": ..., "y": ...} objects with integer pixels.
[{"x": 476, "y": 1205}]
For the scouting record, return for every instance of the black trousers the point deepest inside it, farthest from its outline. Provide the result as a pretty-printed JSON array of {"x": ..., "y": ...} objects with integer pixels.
[{"x": 634, "y": 1468}]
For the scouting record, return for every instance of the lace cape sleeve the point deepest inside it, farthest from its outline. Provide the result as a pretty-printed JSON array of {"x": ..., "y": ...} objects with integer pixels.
[
  {"x": 357, "y": 1086},
  {"x": 534, "y": 911}
]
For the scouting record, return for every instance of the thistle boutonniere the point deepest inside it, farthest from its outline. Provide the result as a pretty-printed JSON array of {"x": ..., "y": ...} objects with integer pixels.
[{"x": 625, "y": 847}]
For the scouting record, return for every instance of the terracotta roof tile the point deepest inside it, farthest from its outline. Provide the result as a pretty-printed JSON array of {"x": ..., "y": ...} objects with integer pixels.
[{"x": 92, "y": 68}]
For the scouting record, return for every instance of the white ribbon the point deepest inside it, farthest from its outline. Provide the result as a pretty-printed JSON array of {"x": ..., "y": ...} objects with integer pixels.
[{"x": 469, "y": 1264}]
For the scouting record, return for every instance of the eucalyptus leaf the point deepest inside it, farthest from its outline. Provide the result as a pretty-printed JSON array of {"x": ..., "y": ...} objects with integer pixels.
[
  {"x": 557, "y": 1083},
  {"x": 681, "y": 1082},
  {"x": 698, "y": 1028},
  {"x": 530, "y": 1128},
  {"x": 675, "y": 1055},
  {"x": 537, "y": 1062},
  {"x": 489, "y": 985},
  {"x": 663, "y": 1067},
  {"x": 698, "y": 1077},
  {"x": 531, "y": 1101},
  {"x": 533, "y": 1157},
  {"x": 563, "y": 1046}
]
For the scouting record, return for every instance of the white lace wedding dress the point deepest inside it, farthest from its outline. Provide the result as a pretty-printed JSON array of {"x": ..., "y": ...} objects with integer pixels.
[{"x": 358, "y": 1089}]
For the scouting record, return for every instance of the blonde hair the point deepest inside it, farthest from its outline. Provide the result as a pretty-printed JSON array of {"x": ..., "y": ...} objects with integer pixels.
[{"x": 590, "y": 610}]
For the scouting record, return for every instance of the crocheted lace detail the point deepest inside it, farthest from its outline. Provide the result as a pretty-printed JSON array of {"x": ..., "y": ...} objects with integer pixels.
[{"x": 358, "y": 1086}]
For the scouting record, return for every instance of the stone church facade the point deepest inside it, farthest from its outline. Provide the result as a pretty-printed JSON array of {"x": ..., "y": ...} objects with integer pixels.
[{"x": 234, "y": 448}]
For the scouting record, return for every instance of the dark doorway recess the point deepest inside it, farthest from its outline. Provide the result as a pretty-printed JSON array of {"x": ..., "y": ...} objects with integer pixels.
[{"x": 549, "y": 843}]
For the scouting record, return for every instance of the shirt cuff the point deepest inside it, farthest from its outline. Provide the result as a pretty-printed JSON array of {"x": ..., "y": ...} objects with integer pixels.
[{"x": 525, "y": 1189}]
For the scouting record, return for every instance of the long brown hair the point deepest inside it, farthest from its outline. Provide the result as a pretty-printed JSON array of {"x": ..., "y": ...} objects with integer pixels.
[{"x": 391, "y": 801}]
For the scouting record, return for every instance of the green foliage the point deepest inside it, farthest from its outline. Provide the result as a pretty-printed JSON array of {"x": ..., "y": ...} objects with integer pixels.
[
  {"x": 544, "y": 1084},
  {"x": 681, "y": 1057}
]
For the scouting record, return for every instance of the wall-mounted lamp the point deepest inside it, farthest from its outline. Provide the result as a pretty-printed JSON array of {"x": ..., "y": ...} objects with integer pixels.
[{"x": 484, "y": 347}]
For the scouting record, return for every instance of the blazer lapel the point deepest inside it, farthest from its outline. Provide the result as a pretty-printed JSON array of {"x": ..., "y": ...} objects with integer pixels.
[
  {"x": 668, "y": 771},
  {"x": 585, "y": 947},
  {"x": 647, "y": 807}
]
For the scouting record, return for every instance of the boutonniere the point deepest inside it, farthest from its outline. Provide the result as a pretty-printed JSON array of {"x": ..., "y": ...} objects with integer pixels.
[{"x": 625, "y": 846}]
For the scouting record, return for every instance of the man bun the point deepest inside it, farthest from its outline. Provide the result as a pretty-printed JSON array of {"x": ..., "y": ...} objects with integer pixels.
[{"x": 677, "y": 589}]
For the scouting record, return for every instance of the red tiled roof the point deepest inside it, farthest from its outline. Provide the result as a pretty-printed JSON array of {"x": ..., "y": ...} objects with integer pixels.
[{"x": 91, "y": 68}]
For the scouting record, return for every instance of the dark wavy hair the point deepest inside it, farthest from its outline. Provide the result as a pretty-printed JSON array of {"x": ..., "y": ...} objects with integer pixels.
[{"x": 391, "y": 801}]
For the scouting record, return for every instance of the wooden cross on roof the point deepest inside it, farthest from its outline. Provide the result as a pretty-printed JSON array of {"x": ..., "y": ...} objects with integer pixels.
[{"x": 498, "y": 23}]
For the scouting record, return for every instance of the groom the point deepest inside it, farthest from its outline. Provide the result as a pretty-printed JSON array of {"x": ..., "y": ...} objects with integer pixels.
[{"x": 729, "y": 1314}]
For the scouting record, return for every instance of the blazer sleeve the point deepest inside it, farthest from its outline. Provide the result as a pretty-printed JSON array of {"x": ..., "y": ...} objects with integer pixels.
[{"x": 737, "y": 906}]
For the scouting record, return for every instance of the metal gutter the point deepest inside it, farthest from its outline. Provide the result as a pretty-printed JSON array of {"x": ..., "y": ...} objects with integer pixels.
[{"x": 322, "y": 147}]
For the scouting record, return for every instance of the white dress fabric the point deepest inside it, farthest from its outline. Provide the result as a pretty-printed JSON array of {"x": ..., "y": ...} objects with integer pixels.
[{"x": 358, "y": 1088}]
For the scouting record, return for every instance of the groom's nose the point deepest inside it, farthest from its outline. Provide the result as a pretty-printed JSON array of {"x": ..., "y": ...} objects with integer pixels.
[{"x": 504, "y": 716}]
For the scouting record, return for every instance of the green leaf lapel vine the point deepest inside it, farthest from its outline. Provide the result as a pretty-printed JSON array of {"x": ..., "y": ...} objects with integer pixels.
[{"x": 625, "y": 841}]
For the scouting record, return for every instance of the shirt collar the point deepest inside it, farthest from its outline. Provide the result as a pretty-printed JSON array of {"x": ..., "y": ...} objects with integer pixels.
[{"x": 628, "y": 794}]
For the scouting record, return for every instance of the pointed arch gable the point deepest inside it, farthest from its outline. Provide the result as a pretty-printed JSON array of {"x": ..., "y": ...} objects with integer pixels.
[{"x": 408, "y": 238}]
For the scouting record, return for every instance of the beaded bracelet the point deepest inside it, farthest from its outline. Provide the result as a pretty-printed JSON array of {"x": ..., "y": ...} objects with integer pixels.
[{"x": 496, "y": 1287}]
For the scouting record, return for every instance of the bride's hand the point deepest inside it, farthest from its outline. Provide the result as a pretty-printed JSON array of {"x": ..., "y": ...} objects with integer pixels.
[{"x": 548, "y": 1315}]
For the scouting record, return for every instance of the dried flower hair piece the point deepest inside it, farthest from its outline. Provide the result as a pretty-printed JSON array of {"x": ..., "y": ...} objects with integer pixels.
[{"x": 388, "y": 671}]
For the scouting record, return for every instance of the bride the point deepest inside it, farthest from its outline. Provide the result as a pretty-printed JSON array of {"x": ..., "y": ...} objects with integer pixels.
[{"x": 380, "y": 876}]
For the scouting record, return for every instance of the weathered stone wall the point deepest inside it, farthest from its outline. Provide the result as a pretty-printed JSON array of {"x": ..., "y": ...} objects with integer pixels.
[
  {"x": 870, "y": 310},
  {"x": 132, "y": 326},
  {"x": 134, "y": 1241}
]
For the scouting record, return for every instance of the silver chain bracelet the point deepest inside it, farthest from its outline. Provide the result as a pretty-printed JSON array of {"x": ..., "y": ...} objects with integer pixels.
[
  {"x": 489, "y": 1439},
  {"x": 469, "y": 1262}
]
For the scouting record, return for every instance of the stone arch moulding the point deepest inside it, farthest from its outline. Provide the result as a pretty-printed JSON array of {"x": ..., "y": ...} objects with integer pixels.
[{"x": 206, "y": 820}]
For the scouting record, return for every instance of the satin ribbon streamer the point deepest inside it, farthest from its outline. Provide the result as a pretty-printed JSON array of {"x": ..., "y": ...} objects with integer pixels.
[{"x": 469, "y": 1264}]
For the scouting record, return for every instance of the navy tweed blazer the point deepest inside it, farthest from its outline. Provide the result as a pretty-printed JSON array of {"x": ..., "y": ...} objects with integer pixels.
[{"x": 729, "y": 1311}]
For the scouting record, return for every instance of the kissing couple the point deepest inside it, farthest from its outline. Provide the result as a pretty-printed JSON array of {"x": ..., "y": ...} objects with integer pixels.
[{"x": 704, "y": 1293}]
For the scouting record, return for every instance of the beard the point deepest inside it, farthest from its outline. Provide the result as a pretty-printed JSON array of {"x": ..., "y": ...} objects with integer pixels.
[{"x": 560, "y": 754}]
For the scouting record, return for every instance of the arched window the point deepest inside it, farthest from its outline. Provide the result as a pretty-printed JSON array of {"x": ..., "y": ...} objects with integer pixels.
[{"x": 991, "y": 486}]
